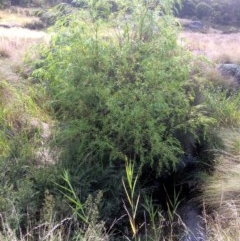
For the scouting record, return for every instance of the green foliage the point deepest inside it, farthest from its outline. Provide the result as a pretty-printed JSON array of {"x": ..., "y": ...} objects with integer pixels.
[
  {"x": 49, "y": 16},
  {"x": 133, "y": 201},
  {"x": 220, "y": 12},
  {"x": 119, "y": 88},
  {"x": 173, "y": 204},
  {"x": 24, "y": 178},
  {"x": 70, "y": 194},
  {"x": 224, "y": 108},
  {"x": 87, "y": 213},
  {"x": 121, "y": 95},
  {"x": 226, "y": 12}
]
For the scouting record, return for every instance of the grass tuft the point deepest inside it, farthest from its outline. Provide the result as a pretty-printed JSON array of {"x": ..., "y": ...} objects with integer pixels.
[{"x": 221, "y": 191}]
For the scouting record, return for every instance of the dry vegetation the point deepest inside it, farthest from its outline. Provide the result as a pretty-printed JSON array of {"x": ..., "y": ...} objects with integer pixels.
[
  {"x": 218, "y": 47},
  {"x": 221, "y": 191},
  {"x": 15, "y": 41},
  {"x": 16, "y": 17}
]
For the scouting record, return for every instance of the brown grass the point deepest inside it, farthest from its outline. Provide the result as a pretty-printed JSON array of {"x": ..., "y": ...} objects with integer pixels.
[
  {"x": 15, "y": 41},
  {"x": 18, "y": 19},
  {"x": 217, "y": 229},
  {"x": 221, "y": 192},
  {"x": 218, "y": 47}
]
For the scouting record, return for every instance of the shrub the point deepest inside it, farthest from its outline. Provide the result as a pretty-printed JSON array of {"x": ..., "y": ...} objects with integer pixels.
[
  {"x": 120, "y": 90},
  {"x": 188, "y": 9},
  {"x": 123, "y": 97},
  {"x": 203, "y": 10},
  {"x": 226, "y": 12}
]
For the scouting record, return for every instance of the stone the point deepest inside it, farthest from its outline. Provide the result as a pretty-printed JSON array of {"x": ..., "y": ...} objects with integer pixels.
[
  {"x": 232, "y": 70},
  {"x": 196, "y": 25}
]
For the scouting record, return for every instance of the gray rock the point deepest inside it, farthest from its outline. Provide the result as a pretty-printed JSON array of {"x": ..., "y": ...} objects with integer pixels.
[
  {"x": 232, "y": 70},
  {"x": 196, "y": 25},
  {"x": 5, "y": 26},
  {"x": 237, "y": 74}
]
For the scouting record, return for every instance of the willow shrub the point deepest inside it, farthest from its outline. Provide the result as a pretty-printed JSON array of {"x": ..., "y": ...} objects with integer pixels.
[{"x": 119, "y": 89}]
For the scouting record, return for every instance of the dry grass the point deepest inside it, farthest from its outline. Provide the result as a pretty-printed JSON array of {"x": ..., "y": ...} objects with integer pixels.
[
  {"x": 19, "y": 18},
  {"x": 218, "y": 230},
  {"x": 223, "y": 187},
  {"x": 48, "y": 231},
  {"x": 221, "y": 192},
  {"x": 16, "y": 41},
  {"x": 218, "y": 47}
]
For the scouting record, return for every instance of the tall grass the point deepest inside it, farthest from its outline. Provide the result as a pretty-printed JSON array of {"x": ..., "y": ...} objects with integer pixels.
[
  {"x": 130, "y": 191},
  {"x": 221, "y": 191},
  {"x": 224, "y": 108}
]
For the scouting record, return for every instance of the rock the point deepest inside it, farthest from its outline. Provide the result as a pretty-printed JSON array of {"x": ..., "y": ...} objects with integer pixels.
[
  {"x": 5, "y": 26},
  {"x": 237, "y": 74},
  {"x": 196, "y": 25},
  {"x": 232, "y": 70},
  {"x": 9, "y": 25}
]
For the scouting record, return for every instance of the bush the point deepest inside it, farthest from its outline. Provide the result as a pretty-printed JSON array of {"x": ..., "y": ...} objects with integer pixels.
[
  {"x": 123, "y": 97},
  {"x": 119, "y": 96},
  {"x": 188, "y": 9},
  {"x": 203, "y": 10}
]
